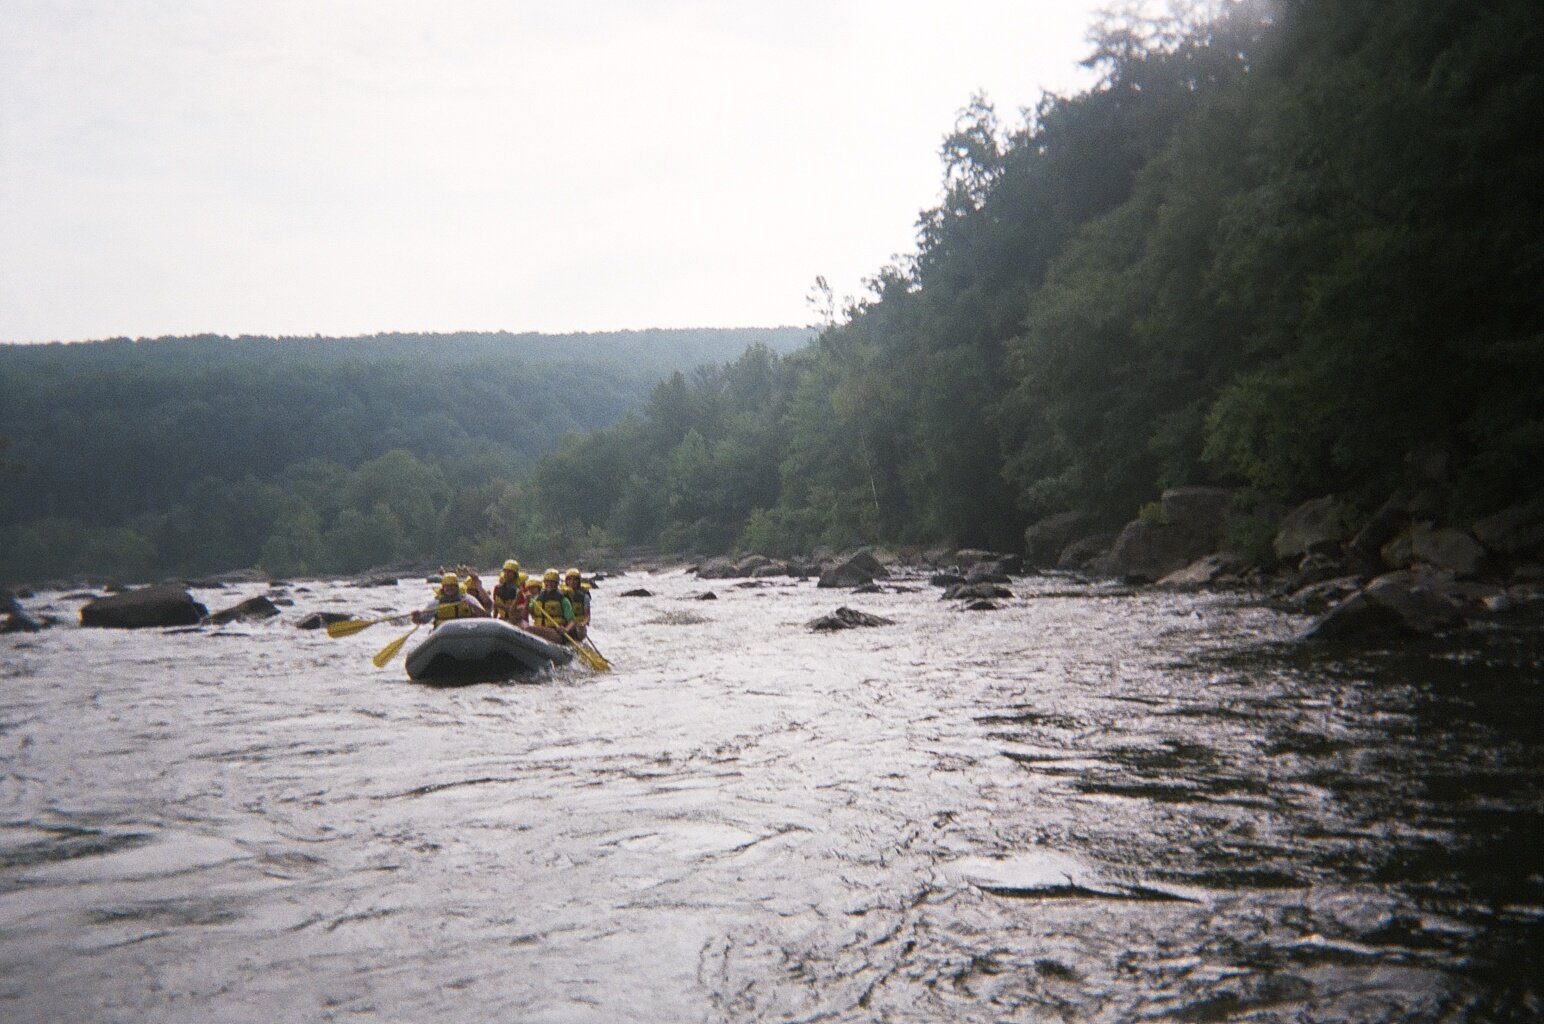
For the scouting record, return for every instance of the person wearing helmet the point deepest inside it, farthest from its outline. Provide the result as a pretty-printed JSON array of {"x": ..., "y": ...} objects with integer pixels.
[
  {"x": 578, "y": 595},
  {"x": 450, "y": 603},
  {"x": 551, "y": 611},
  {"x": 472, "y": 587},
  {"x": 509, "y": 594}
]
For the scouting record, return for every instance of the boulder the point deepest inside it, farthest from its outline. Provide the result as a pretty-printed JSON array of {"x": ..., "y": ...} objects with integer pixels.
[
  {"x": 321, "y": 620},
  {"x": 1147, "y": 550},
  {"x": 987, "y": 572},
  {"x": 848, "y": 618},
  {"x": 861, "y": 568},
  {"x": 9, "y": 605},
  {"x": 160, "y": 605},
  {"x": 1317, "y": 568},
  {"x": 971, "y": 556},
  {"x": 946, "y": 579},
  {"x": 718, "y": 569},
  {"x": 981, "y": 605},
  {"x": 1314, "y": 527},
  {"x": 706, "y": 595},
  {"x": 638, "y": 592},
  {"x": 1515, "y": 532},
  {"x": 1399, "y": 552},
  {"x": 1078, "y": 555},
  {"x": 1317, "y": 597},
  {"x": 1201, "y": 573},
  {"x": 975, "y": 591},
  {"x": 1448, "y": 549},
  {"x": 1046, "y": 538},
  {"x": 751, "y": 564},
  {"x": 1386, "y": 524},
  {"x": 1387, "y": 608},
  {"x": 260, "y": 607},
  {"x": 761, "y": 572},
  {"x": 18, "y": 621}
]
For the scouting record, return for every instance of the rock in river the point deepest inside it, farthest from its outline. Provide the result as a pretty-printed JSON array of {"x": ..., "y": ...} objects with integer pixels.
[
  {"x": 260, "y": 607},
  {"x": 848, "y": 618},
  {"x": 162, "y": 605}
]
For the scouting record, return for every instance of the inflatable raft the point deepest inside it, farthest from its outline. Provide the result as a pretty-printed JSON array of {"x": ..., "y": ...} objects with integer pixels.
[{"x": 478, "y": 650}]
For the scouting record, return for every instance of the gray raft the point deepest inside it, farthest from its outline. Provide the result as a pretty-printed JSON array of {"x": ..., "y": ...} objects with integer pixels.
[{"x": 475, "y": 650}]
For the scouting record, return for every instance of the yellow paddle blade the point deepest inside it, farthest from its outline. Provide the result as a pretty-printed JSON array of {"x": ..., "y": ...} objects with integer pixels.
[
  {"x": 348, "y": 627},
  {"x": 388, "y": 652},
  {"x": 600, "y": 663},
  {"x": 595, "y": 663}
]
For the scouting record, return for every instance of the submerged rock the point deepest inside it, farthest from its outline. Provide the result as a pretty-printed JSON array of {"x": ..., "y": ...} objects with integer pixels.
[
  {"x": 976, "y": 592},
  {"x": 636, "y": 592},
  {"x": 18, "y": 621},
  {"x": 319, "y": 620},
  {"x": 848, "y": 618},
  {"x": 161, "y": 605},
  {"x": 260, "y": 607}
]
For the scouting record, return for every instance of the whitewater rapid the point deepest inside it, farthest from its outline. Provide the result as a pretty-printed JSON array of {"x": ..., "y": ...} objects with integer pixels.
[{"x": 1091, "y": 804}]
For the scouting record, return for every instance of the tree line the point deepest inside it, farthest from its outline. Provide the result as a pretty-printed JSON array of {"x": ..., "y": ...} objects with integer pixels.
[
  {"x": 137, "y": 459},
  {"x": 1290, "y": 247}
]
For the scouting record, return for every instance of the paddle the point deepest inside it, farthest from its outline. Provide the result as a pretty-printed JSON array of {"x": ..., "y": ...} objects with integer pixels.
[
  {"x": 590, "y": 644},
  {"x": 592, "y": 659},
  {"x": 348, "y": 627},
  {"x": 388, "y": 652}
]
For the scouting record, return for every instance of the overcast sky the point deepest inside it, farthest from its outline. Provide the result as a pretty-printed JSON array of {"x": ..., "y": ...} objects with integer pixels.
[{"x": 320, "y": 166}]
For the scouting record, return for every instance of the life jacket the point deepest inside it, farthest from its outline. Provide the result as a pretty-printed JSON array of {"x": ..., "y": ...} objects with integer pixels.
[
  {"x": 555, "y": 604},
  {"x": 580, "y": 600},
  {"x": 508, "y": 600},
  {"x": 447, "y": 610}
]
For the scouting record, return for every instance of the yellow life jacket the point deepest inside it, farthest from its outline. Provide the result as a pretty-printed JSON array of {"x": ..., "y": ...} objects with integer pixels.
[
  {"x": 556, "y": 606},
  {"x": 447, "y": 610},
  {"x": 578, "y": 600}
]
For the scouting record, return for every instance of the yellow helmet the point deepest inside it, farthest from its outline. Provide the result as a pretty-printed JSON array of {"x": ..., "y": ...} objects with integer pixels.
[
  {"x": 510, "y": 565},
  {"x": 571, "y": 574},
  {"x": 550, "y": 576},
  {"x": 450, "y": 579}
]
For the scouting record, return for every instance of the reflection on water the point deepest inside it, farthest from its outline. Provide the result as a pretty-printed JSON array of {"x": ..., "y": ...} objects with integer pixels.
[{"x": 1089, "y": 805}]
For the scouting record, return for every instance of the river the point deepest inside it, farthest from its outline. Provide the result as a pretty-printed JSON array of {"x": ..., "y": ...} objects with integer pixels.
[{"x": 1093, "y": 804}]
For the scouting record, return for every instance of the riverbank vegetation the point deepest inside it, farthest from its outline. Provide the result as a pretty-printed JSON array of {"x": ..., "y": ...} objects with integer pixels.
[
  {"x": 1294, "y": 249},
  {"x": 137, "y": 459}
]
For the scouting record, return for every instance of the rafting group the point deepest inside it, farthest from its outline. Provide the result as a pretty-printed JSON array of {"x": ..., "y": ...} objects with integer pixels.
[
  {"x": 555, "y": 608},
  {"x": 523, "y": 624}
]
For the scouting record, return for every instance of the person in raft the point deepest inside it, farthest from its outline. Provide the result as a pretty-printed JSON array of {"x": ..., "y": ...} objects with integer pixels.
[
  {"x": 579, "y": 599},
  {"x": 551, "y": 611},
  {"x": 450, "y": 603},
  {"x": 472, "y": 587},
  {"x": 509, "y": 596}
]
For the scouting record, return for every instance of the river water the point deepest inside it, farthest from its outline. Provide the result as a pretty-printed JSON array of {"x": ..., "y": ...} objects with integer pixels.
[{"x": 1089, "y": 805}]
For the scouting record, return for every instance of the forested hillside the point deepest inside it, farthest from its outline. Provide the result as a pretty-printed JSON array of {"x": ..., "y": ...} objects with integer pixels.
[
  {"x": 137, "y": 458},
  {"x": 1294, "y": 249}
]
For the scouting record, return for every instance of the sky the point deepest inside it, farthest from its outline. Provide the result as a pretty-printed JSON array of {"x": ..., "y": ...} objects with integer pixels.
[{"x": 341, "y": 167}]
